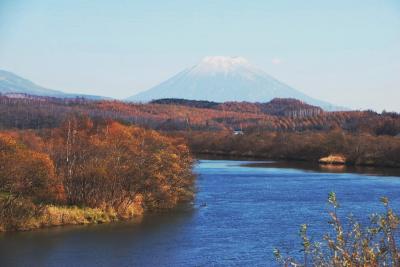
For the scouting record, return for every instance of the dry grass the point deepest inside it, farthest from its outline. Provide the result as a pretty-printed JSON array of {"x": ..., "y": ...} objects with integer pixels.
[
  {"x": 333, "y": 159},
  {"x": 51, "y": 215}
]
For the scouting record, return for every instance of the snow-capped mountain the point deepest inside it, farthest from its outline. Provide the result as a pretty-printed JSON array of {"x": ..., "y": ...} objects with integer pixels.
[
  {"x": 222, "y": 79},
  {"x": 11, "y": 83}
]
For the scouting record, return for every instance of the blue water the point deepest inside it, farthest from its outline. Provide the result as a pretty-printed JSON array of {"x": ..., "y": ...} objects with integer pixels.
[{"x": 240, "y": 215}]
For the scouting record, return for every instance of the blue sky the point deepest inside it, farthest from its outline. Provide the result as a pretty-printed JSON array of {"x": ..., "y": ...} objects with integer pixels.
[{"x": 344, "y": 52}]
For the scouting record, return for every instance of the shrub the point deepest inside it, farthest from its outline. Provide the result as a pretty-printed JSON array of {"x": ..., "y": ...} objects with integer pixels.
[
  {"x": 17, "y": 212},
  {"x": 374, "y": 245}
]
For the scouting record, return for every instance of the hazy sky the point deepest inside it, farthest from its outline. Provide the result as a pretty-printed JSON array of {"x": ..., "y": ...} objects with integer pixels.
[{"x": 345, "y": 52}]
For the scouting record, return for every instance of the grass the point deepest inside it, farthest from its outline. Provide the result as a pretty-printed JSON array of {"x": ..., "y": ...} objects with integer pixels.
[{"x": 52, "y": 215}]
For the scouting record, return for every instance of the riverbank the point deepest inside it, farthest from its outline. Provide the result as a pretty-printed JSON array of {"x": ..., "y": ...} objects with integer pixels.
[
  {"x": 44, "y": 216},
  {"x": 61, "y": 216},
  {"x": 314, "y": 166}
]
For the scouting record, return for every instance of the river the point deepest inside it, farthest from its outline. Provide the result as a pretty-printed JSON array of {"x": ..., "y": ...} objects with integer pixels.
[{"x": 240, "y": 214}]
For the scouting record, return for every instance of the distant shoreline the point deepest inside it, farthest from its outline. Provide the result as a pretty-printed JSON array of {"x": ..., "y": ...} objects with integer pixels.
[{"x": 301, "y": 164}]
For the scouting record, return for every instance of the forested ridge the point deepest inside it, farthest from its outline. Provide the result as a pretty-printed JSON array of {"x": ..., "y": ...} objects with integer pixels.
[{"x": 282, "y": 115}]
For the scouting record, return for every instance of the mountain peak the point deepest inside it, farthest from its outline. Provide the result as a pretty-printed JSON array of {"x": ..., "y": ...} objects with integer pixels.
[
  {"x": 222, "y": 61},
  {"x": 223, "y": 64}
]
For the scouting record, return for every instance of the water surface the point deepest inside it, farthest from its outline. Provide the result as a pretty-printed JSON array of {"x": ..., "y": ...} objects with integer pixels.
[{"x": 240, "y": 214}]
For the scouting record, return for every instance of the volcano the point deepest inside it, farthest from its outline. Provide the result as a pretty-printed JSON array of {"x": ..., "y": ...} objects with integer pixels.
[{"x": 222, "y": 79}]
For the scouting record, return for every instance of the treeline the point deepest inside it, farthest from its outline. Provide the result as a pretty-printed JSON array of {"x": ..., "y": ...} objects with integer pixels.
[
  {"x": 282, "y": 115},
  {"x": 358, "y": 149},
  {"x": 186, "y": 102},
  {"x": 99, "y": 164},
  {"x": 277, "y": 107}
]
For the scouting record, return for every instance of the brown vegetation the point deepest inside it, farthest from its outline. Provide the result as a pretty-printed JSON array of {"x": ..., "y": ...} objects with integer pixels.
[
  {"x": 280, "y": 129},
  {"x": 101, "y": 165},
  {"x": 177, "y": 115},
  {"x": 333, "y": 159}
]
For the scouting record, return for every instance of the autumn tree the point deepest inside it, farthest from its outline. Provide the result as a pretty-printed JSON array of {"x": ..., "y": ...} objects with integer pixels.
[
  {"x": 27, "y": 173},
  {"x": 106, "y": 164}
]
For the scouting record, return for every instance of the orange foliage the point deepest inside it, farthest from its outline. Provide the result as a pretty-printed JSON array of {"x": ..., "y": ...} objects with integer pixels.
[
  {"x": 99, "y": 164},
  {"x": 27, "y": 173}
]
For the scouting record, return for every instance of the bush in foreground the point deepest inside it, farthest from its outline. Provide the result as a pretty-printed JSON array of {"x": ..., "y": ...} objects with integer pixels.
[{"x": 374, "y": 245}]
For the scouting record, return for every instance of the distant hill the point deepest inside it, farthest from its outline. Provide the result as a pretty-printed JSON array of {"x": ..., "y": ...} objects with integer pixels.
[
  {"x": 222, "y": 79},
  {"x": 12, "y": 83},
  {"x": 277, "y": 106}
]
